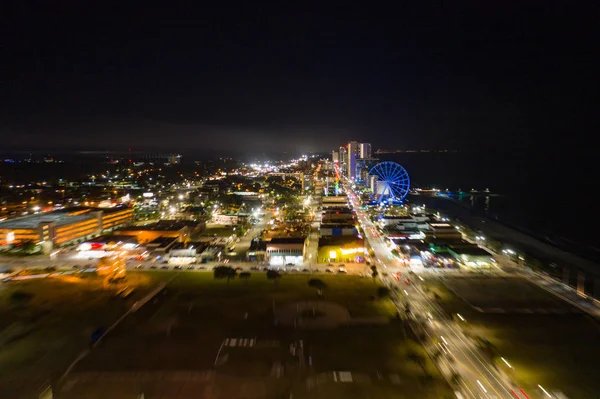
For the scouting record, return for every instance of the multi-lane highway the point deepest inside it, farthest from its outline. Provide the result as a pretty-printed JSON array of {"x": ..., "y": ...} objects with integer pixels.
[{"x": 479, "y": 378}]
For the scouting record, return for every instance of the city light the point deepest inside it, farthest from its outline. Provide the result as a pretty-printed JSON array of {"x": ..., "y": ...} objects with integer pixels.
[
  {"x": 507, "y": 363},
  {"x": 481, "y": 386},
  {"x": 543, "y": 390}
]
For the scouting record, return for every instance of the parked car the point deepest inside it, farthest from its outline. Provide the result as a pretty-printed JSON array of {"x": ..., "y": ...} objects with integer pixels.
[
  {"x": 152, "y": 267},
  {"x": 140, "y": 266},
  {"x": 329, "y": 270},
  {"x": 165, "y": 267},
  {"x": 190, "y": 267},
  {"x": 178, "y": 267}
]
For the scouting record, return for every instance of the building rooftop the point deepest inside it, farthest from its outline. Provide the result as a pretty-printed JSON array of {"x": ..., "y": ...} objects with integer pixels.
[
  {"x": 258, "y": 245},
  {"x": 339, "y": 240},
  {"x": 61, "y": 218},
  {"x": 338, "y": 225},
  {"x": 108, "y": 211},
  {"x": 113, "y": 238},
  {"x": 198, "y": 246},
  {"x": 287, "y": 240},
  {"x": 162, "y": 241},
  {"x": 471, "y": 251},
  {"x": 165, "y": 225},
  {"x": 441, "y": 226}
]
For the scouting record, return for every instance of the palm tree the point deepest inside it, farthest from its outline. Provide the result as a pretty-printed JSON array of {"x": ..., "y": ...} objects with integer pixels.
[
  {"x": 221, "y": 272},
  {"x": 318, "y": 284},
  {"x": 273, "y": 275}
]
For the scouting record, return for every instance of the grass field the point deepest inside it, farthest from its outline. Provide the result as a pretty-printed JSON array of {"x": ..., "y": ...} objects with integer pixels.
[
  {"x": 45, "y": 323},
  {"x": 560, "y": 351},
  {"x": 507, "y": 293},
  {"x": 184, "y": 329},
  {"x": 217, "y": 230}
]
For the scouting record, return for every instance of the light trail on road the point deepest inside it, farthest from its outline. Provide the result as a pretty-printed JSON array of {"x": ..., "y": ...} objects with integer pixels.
[{"x": 479, "y": 373}]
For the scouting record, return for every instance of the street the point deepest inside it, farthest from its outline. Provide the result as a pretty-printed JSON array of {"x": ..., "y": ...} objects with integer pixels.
[{"x": 478, "y": 377}]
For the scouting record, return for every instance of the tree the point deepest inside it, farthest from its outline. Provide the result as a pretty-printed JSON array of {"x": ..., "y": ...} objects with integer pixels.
[
  {"x": 20, "y": 298},
  {"x": 374, "y": 272},
  {"x": 417, "y": 359},
  {"x": 383, "y": 292},
  {"x": 245, "y": 276},
  {"x": 319, "y": 285},
  {"x": 221, "y": 272},
  {"x": 273, "y": 275}
]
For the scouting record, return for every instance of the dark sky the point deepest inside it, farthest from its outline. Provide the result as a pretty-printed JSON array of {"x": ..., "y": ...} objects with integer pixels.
[{"x": 439, "y": 74}]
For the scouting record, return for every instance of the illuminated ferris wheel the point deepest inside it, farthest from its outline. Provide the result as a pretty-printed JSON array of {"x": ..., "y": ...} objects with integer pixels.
[{"x": 392, "y": 181}]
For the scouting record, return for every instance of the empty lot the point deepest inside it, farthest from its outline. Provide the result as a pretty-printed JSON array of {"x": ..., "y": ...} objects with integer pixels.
[
  {"x": 45, "y": 323},
  {"x": 207, "y": 338}
]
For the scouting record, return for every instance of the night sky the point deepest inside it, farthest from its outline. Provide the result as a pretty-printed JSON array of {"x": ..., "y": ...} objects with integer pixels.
[{"x": 424, "y": 74}]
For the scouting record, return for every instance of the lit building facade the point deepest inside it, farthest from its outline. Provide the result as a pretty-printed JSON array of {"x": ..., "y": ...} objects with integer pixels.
[
  {"x": 365, "y": 150},
  {"x": 286, "y": 251},
  {"x": 353, "y": 155},
  {"x": 335, "y": 156},
  {"x": 341, "y": 249},
  {"x": 63, "y": 227}
]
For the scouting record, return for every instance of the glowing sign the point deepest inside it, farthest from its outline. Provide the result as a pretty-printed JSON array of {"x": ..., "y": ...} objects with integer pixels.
[
  {"x": 10, "y": 237},
  {"x": 86, "y": 246},
  {"x": 332, "y": 254},
  {"x": 352, "y": 251}
]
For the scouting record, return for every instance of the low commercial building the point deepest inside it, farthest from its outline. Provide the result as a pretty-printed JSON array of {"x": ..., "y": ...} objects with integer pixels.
[
  {"x": 337, "y": 229},
  {"x": 345, "y": 249},
  {"x": 161, "y": 245},
  {"x": 185, "y": 254},
  {"x": 286, "y": 251},
  {"x": 107, "y": 245},
  {"x": 472, "y": 256},
  {"x": 337, "y": 215},
  {"x": 229, "y": 220},
  {"x": 63, "y": 227},
  {"x": 331, "y": 201},
  {"x": 405, "y": 222},
  {"x": 443, "y": 231},
  {"x": 257, "y": 251},
  {"x": 165, "y": 228}
]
